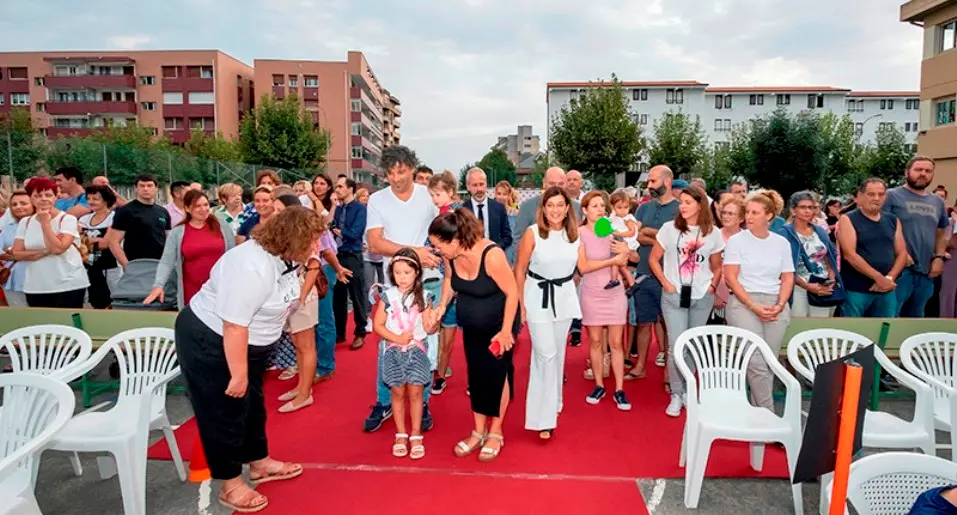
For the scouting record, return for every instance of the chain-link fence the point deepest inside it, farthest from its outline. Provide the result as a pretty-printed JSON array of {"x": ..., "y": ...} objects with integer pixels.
[{"x": 24, "y": 155}]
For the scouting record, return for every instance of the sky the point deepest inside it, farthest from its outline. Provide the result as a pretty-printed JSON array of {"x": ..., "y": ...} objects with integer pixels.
[{"x": 468, "y": 71}]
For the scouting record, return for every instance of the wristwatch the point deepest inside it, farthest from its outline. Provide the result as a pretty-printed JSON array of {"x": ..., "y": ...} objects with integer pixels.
[{"x": 940, "y": 257}]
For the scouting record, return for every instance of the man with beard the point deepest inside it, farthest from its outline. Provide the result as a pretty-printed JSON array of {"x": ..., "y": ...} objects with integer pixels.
[
  {"x": 647, "y": 291},
  {"x": 924, "y": 219}
]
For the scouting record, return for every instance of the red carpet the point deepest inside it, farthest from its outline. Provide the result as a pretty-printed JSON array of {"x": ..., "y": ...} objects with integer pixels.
[{"x": 611, "y": 447}]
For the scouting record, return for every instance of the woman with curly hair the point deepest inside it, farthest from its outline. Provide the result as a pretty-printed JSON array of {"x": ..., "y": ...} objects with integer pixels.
[{"x": 223, "y": 340}]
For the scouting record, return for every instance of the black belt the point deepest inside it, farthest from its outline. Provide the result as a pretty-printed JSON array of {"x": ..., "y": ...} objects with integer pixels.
[
  {"x": 431, "y": 280},
  {"x": 548, "y": 289}
]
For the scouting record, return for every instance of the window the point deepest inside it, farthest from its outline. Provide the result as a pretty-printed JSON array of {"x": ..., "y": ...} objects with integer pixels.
[
  {"x": 855, "y": 106},
  {"x": 727, "y": 101},
  {"x": 278, "y": 79},
  {"x": 173, "y": 98},
  {"x": 717, "y": 125},
  {"x": 948, "y": 36},
  {"x": 310, "y": 81},
  {"x": 756, "y": 100},
  {"x": 202, "y": 97},
  {"x": 206, "y": 72},
  {"x": 64, "y": 70},
  {"x": 200, "y": 124},
  {"x": 19, "y": 99},
  {"x": 944, "y": 110},
  {"x": 675, "y": 96},
  {"x": 148, "y": 106},
  {"x": 41, "y": 107},
  {"x": 357, "y": 152},
  {"x": 911, "y": 147},
  {"x": 310, "y": 103},
  {"x": 38, "y": 81},
  {"x": 890, "y": 104},
  {"x": 171, "y": 72},
  {"x": 356, "y": 105},
  {"x": 912, "y": 103},
  {"x": 293, "y": 81},
  {"x": 643, "y": 120},
  {"x": 1, "y": 99},
  {"x": 906, "y": 126},
  {"x": 639, "y": 94},
  {"x": 784, "y": 99},
  {"x": 173, "y": 124},
  {"x": 719, "y": 101},
  {"x": 815, "y": 101},
  {"x": 17, "y": 73},
  {"x": 357, "y": 129},
  {"x": 859, "y": 128},
  {"x": 148, "y": 80},
  {"x": 722, "y": 125}
]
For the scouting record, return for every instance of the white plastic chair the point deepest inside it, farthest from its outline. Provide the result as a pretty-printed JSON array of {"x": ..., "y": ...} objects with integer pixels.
[
  {"x": 883, "y": 430},
  {"x": 35, "y": 408},
  {"x": 718, "y": 407},
  {"x": 932, "y": 357},
  {"x": 888, "y": 483},
  {"x": 147, "y": 363}
]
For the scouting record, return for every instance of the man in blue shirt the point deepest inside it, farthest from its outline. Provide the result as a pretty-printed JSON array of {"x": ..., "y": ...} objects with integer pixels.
[
  {"x": 349, "y": 225},
  {"x": 69, "y": 180}
]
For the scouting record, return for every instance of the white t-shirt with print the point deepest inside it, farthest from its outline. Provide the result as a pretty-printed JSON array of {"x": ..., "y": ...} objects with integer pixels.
[
  {"x": 403, "y": 223},
  {"x": 762, "y": 261},
  {"x": 687, "y": 256},
  {"x": 251, "y": 288},
  {"x": 57, "y": 272}
]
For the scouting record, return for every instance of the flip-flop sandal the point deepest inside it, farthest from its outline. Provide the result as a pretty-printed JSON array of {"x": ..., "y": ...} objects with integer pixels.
[
  {"x": 632, "y": 376},
  {"x": 417, "y": 451},
  {"x": 245, "y": 504},
  {"x": 276, "y": 474},
  {"x": 463, "y": 449}
]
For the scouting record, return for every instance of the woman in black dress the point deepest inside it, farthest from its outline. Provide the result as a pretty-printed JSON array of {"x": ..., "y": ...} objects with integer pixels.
[{"x": 487, "y": 313}]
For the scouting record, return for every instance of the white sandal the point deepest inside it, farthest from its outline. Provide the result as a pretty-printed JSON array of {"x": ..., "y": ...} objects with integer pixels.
[
  {"x": 488, "y": 454},
  {"x": 463, "y": 449},
  {"x": 418, "y": 449},
  {"x": 400, "y": 450}
]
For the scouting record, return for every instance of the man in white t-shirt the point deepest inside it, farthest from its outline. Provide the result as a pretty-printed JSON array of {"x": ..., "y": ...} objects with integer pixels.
[{"x": 398, "y": 217}]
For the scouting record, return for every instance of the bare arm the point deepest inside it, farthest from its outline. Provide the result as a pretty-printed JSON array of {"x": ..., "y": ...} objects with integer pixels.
[
  {"x": 731, "y": 277},
  {"x": 56, "y": 243},
  {"x": 20, "y": 253},
  {"x": 114, "y": 238},
  {"x": 940, "y": 244},
  {"x": 787, "y": 286},
  {"x": 716, "y": 265},
  {"x": 79, "y": 210},
  {"x": 499, "y": 270},
  {"x": 654, "y": 263},
  {"x": 847, "y": 239},
  {"x": 646, "y": 236},
  {"x": 631, "y": 229},
  {"x": 235, "y": 344},
  {"x": 586, "y": 265},
  {"x": 378, "y": 244},
  {"x": 900, "y": 253}
]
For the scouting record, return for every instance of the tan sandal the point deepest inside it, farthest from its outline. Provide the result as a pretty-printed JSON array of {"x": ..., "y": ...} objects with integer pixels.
[
  {"x": 417, "y": 451},
  {"x": 463, "y": 449},
  {"x": 488, "y": 453},
  {"x": 283, "y": 470},
  {"x": 400, "y": 449},
  {"x": 288, "y": 374},
  {"x": 244, "y": 503},
  {"x": 289, "y": 407}
]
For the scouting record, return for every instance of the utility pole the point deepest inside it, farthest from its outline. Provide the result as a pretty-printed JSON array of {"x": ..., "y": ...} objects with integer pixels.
[{"x": 10, "y": 150}]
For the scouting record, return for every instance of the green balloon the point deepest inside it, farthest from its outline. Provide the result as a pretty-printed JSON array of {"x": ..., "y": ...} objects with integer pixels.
[{"x": 603, "y": 227}]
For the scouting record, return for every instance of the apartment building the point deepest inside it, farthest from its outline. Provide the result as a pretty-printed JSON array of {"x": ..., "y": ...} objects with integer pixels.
[
  {"x": 722, "y": 108},
  {"x": 519, "y": 145},
  {"x": 343, "y": 97},
  {"x": 938, "y": 83},
  {"x": 172, "y": 91}
]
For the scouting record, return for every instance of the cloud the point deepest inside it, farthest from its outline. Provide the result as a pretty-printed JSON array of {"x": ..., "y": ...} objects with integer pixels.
[
  {"x": 467, "y": 71},
  {"x": 128, "y": 42}
]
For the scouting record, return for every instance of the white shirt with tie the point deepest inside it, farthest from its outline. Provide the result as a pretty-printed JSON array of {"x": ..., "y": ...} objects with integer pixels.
[{"x": 484, "y": 217}]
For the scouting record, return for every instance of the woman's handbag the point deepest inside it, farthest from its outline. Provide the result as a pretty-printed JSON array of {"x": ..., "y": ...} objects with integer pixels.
[
  {"x": 836, "y": 298},
  {"x": 322, "y": 284}
]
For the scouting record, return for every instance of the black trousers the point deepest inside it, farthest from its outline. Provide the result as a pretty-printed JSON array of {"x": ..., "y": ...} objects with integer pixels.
[
  {"x": 357, "y": 290},
  {"x": 72, "y": 299},
  {"x": 99, "y": 291},
  {"x": 233, "y": 430}
]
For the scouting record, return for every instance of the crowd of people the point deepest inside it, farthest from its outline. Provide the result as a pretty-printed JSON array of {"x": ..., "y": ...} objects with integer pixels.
[{"x": 266, "y": 278}]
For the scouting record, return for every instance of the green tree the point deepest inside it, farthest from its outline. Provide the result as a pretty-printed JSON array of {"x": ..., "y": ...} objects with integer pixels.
[
  {"x": 718, "y": 170},
  {"x": 20, "y": 143},
  {"x": 887, "y": 158},
  {"x": 680, "y": 143},
  {"x": 463, "y": 174},
  {"x": 596, "y": 133},
  {"x": 790, "y": 152},
  {"x": 281, "y": 134},
  {"x": 842, "y": 173},
  {"x": 497, "y": 166}
]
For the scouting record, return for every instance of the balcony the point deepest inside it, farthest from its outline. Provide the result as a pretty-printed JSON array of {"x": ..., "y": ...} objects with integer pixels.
[
  {"x": 88, "y": 108},
  {"x": 916, "y": 10},
  {"x": 279, "y": 92},
  {"x": 180, "y": 136},
  {"x": 363, "y": 165},
  {"x": 189, "y": 110},
  {"x": 197, "y": 84},
  {"x": 90, "y": 81},
  {"x": 67, "y": 132},
  {"x": 310, "y": 93}
]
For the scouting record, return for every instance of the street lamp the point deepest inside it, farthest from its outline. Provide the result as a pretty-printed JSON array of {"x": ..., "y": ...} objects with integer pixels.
[{"x": 864, "y": 123}]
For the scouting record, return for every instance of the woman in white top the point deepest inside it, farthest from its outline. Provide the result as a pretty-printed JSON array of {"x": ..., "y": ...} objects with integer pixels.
[
  {"x": 759, "y": 271},
  {"x": 544, "y": 272},
  {"x": 102, "y": 269},
  {"x": 223, "y": 342},
  {"x": 48, "y": 240},
  {"x": 686, "y": 260},
  {"x": 20, "y": 207}
]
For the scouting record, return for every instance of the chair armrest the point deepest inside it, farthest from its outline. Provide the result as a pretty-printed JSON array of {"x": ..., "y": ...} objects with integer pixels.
[{"x": 85, "y": 367}]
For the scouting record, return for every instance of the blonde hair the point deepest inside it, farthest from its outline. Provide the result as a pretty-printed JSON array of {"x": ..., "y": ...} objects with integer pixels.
[
  {"x": 512, "y": 193},
  {"x": 227, "y": 190},
  {"x": 777, "y": 201}
]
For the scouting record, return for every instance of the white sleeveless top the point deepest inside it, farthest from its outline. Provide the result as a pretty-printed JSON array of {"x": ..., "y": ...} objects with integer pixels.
[{"x": 554, "y": 258}]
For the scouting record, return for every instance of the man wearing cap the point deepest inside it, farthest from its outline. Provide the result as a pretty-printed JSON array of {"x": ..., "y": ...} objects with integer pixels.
[{"x": 677, "y": 186}]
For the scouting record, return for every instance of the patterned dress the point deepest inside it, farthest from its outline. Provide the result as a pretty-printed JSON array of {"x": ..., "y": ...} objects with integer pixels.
[{"x": 409, "y": 363}]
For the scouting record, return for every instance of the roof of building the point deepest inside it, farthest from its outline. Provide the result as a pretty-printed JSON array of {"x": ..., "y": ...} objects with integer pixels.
[
  {"x": 630, "y": 84},
  {"x": 528, "y": 161},
  {"x": 884, "y": 94},
  {"x": 775, "y": 89}
]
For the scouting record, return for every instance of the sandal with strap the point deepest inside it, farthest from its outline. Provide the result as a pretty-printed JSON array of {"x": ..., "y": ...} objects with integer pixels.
[
  {"x": 417, "y": 451},
  {"x": 279, "y": 471},
  {"x": 488, "y": 453},
  {"x": 400, "y": 450},
  {"x": 245, "y": 503},
  {"x": 463, "y": 449},
  {"x": 288, "y": 374}
]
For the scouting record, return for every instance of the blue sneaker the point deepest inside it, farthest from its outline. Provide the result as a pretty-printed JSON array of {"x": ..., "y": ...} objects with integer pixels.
[
  {"x": 596, "y": 395},
  {"x": 427, "y": 421},
  {"x": 379, "y": 415},
  {"x": 621, "y": 401}
]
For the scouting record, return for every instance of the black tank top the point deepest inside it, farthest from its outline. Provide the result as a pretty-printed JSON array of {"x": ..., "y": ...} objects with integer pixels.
[
  {"x": 480, "y": 302},
  {"x": 875, "y": 244}
]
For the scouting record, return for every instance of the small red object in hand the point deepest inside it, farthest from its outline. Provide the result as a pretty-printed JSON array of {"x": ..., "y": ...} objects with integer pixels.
[{"x": 495, "y": 348}]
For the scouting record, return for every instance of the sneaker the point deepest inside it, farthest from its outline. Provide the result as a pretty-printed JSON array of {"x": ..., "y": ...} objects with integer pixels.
[
  {"x": 660, "y": 359},
  {"x": 438, "y": 386},
  {"x": 630, "y": 292},
  {"x": 576, "y": 339},
  {"x": 674, "y": 407},
  {"x": 379, "y": 415},
  {"x": 427, "y": 421},
  {"x": 612, "y": 285},
  {"x": 621, "y": 401},
  {"x": 369, "y": 326},
  {"x": 595, "y": 395}
]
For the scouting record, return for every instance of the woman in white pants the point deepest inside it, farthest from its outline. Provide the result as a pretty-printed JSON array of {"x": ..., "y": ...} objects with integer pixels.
[
  {"x": 759, "y": 271},
  {"x": 544, "y": 271}
]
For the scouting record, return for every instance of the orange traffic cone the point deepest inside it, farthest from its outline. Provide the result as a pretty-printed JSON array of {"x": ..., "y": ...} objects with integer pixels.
[{"x": 198, "y": 468}]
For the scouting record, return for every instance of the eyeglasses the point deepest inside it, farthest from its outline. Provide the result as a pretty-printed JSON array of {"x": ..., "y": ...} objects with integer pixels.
[
  {"x": 804, "y": 207},
  {"x": 729, "y": 213}
]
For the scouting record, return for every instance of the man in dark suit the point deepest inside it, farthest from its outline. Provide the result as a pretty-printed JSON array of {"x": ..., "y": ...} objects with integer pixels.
[{"x": 489, "y": 211}]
